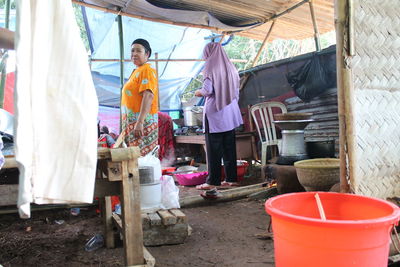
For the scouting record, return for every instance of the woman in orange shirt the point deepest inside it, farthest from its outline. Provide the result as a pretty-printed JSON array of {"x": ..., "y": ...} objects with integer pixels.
[{"x": 139, "y": 101}]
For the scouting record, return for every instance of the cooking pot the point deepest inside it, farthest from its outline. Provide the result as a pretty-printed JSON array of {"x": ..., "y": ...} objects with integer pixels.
[
  {"x": 193, "y": 116},
  {"x": 321, "y": 149}
]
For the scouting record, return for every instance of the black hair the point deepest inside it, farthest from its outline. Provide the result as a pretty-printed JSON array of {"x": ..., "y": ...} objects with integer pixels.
[{"x": 144, "y": 43}]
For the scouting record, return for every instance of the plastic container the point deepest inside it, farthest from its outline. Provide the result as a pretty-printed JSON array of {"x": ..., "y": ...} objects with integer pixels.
[
  {"x": 166, "y": 170},
  {"x": 192, "y": 178},
  {"x": 151, "y": 161},
  {"x": 150, "y": 195},
  {"x": 241, "y": 170},
  {"x": 95, "y": 242},
  {"x": 356, "y": 231}
]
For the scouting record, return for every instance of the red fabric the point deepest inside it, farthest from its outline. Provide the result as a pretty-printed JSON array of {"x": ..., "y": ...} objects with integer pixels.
[
  {"x": 9, "y": 93},
  {"x": 102, "y": 142},
  {"x": 165, "y": 136}
]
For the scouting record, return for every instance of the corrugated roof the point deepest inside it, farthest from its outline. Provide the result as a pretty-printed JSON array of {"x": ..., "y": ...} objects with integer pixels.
[{"x": 297, "y": 24}]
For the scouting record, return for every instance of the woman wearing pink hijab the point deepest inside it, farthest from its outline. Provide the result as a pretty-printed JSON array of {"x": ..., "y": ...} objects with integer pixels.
[{"x": 221, "y": 116}]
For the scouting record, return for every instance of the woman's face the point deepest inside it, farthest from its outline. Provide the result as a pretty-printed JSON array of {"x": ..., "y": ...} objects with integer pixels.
[{"x": 139, "y": 55}]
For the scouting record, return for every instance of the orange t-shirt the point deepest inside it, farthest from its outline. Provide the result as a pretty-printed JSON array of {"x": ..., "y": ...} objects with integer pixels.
[{"x": 142, "y": 79}]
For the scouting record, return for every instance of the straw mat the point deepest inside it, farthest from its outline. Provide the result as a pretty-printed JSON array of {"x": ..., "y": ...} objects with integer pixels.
[{"x": 376, "y": 104}]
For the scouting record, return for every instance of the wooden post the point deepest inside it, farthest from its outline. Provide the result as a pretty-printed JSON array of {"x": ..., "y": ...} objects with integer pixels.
[
  {"x": 156, "y": 60},
  {"x": 121, "y": 66},
  {"x": 314, "y": 21},
  {"x": 106, "y": 210},
  {"x": 345, "y": 94},
  {"x": 131, "y": 222}
]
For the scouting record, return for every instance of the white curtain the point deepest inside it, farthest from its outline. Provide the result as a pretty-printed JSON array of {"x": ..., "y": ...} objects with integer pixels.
[{"x": 55, "y": 107}]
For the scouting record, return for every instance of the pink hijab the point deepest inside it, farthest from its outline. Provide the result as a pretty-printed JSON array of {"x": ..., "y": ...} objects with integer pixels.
[{"x": 222, "y": 73}]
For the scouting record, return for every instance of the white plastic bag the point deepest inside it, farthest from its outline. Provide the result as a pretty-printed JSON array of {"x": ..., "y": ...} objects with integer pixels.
[
  {"x": 169, "y": 193},
  {"x": 151, "y": 160}
]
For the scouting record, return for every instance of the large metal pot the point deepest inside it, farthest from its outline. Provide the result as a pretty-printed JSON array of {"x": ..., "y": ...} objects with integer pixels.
[
  {"x": 192, "y": 116},
  {"x": 321, "y": 149}
]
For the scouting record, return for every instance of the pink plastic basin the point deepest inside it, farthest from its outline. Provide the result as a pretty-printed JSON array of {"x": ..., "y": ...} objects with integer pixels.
[{"x": 192, "y": 178}]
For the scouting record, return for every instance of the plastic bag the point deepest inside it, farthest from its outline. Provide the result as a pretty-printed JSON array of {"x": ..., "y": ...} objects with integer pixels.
[
  {"x": 310, "y": 80},
  {"x": 169, "y": 193},
  {"x": 151, "y": 160}
]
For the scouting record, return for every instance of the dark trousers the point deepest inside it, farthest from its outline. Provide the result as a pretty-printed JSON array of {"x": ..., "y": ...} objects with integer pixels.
[{"x": 220, "y": 146}]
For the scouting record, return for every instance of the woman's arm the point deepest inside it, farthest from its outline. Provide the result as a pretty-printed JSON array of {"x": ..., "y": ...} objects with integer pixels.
[
  {"x": 144, "y": 110},
  {"x": 6, "y": 39},
  {"x": 206, "y": 90}
]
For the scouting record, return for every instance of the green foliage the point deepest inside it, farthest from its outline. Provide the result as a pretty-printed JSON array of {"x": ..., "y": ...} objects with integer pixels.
[
  {"x": 3, "y": 3},
  {"x": 245, "y": 48},
  {"x": 81, "y": 25}
]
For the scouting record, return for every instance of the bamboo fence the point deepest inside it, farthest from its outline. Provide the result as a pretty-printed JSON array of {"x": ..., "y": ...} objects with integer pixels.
[{"x": 368, "y": 62}]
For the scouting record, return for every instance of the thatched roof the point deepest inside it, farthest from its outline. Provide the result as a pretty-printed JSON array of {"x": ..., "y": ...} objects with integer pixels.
[{"x": 252, "y": 18}]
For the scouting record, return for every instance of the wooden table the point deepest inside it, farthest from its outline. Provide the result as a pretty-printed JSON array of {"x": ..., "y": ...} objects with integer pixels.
[
  {"x": 245, "y": 144},
  {"x": 122, "y": 178}
]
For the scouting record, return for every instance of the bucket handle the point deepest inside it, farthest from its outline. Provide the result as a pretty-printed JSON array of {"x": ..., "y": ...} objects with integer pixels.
[{"x": 396, "y": 234}]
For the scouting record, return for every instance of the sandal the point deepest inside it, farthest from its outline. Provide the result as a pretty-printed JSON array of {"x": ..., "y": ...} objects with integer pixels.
[
  {"x": 210, "y": 194},
  {"x": 224, "y": 183},
  {"x": 205, "y": 186}
]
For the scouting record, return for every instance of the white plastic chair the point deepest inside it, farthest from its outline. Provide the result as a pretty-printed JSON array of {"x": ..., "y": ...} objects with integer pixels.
[{"x": 264, "y": 121}]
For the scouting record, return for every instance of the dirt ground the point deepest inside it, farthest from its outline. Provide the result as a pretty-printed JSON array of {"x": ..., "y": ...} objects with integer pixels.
[{"x": 223, "y": 235}]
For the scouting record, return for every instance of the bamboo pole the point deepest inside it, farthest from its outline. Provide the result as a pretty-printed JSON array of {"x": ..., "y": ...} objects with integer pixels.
[
  {"x": 264, "y": 43},
  {"x": 121, "y": 50},
  {"x": 156, "y": 60},
  {"x": 314, "y": 21},
  {"x": 225, "y": 195},
  {"x": 274, "y": 17},
  {"x": 121, "y": 64},
  {"x": 345, "y": 97},
  {"x": 163, "y": 60},
  {"x": 7, "y": 8},
  {"x": 246, "y": 78}
]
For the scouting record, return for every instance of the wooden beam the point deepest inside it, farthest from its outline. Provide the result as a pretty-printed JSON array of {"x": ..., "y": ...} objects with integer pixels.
[
  {"x": 114, "y": 170},
  {"x": 287, "y": 11},
  {"x": 131, "y": 214},
  {"x": 314, "y": 21},
  {"x": 107, "y": 216},
  {"x": 226, "y": 195},
  {"x": 163, "y": 60},
  {"x": 103, "y": 188},
  {"x": 344, "y": 85}
]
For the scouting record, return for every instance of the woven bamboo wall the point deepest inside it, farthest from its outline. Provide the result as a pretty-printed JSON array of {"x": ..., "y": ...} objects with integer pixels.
[{"x": 375, "y": 70}]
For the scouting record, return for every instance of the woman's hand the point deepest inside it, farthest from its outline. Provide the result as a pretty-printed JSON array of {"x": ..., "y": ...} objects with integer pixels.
[
  {"x": 138, "y": 129},
  {"x": 198, "y": 93}
]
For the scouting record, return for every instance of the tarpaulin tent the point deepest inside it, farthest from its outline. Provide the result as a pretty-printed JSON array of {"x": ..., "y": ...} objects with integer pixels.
[{"x": 169, "y": 41}]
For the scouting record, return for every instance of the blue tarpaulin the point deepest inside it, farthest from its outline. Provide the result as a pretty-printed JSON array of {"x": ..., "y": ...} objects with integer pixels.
[{"x": 169, "y": 41}]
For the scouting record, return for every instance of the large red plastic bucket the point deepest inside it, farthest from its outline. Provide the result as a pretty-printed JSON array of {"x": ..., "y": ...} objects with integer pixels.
[{"x": 356, "y": 231}]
